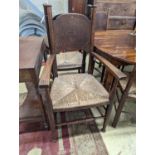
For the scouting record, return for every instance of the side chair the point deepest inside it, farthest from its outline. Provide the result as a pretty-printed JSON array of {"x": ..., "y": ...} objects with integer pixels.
[{"x": 74, "y": 92}]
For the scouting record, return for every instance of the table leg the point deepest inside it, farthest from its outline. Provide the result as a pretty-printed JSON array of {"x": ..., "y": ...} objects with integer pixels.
[{"x": 35, "y": 83}]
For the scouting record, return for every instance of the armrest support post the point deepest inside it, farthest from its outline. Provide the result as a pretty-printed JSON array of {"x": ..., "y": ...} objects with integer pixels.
[
  {"x": 45, "y": 76},
  {"x": 110, "y": 67}
]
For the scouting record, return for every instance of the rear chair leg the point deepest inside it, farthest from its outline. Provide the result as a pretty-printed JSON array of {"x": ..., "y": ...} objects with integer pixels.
[
  {"x": 83, "y": 62},
  {"x": 107, "y": 116},
  {"x": 53, "y": 128}
]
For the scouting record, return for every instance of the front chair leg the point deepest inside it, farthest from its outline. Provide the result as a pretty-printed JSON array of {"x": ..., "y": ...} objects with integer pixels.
[
  {"x": 52, "y": 127},
  {"x": 52, "y": 122},
  {"x": 53, "y": 130},
  {"x": 110, "y": 105},
  {"x": 49, "y": 111},
  {"x": 107, "y": 116}
]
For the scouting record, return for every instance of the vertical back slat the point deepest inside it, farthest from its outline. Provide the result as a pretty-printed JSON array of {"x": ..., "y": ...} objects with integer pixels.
[
  {"x": 50, "y": 33},
  {"x": 91, "y": 13}
]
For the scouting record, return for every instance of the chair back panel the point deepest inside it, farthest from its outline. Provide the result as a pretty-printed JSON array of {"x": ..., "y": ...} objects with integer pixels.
[
  {"x": 101, "y": 20},
  {"x": 71, "y": 32}
]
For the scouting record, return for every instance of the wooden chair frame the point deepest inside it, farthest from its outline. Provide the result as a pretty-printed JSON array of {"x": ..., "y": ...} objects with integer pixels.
[
  {"x": 81, "y": 69},
  {"x": 121, "y": 100},
  {"x": 44, "y": 83}
]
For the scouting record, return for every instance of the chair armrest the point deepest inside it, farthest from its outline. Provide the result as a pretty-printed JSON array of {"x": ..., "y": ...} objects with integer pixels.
[
  {"x": 111, "y": 68},
  {"x": 45, "y": 76}
]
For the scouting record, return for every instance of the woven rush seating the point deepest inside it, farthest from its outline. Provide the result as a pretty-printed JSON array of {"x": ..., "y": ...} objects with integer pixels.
[
  {"x": 77, "y": 90},
  {"x": 68, "y": 59}
]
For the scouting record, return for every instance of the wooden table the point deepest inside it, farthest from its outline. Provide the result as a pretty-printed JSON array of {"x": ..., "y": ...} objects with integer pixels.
[
  {"x": 119, "y": 55},
  {"x": 118, "y": 46},
  {"x": 30, "y": 60}
]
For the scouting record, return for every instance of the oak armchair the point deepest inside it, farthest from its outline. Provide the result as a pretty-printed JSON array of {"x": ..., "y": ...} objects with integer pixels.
[{"x": 74, "y": 92}]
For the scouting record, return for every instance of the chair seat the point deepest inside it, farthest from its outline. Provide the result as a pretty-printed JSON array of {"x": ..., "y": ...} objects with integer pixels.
[
  {"x": 68, "y": 59},
  {"x": 132, "y": 91},
  {"x": 77, "y": 91}
]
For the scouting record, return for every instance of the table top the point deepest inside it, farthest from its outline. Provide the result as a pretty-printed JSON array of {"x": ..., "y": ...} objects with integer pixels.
[
  {"x": 118, "y": 44},
  {"x": 29, "y": 50}
]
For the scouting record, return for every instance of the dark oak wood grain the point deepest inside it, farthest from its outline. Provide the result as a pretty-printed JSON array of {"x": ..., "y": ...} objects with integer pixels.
[
  {"x": 76, "y": 35},
  {"x": 117, "y": 45},
  {"x": 121, "y": 54}
]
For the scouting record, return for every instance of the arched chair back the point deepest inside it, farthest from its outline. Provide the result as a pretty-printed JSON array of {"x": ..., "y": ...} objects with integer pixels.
[{"x": 68, "y": 32}]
